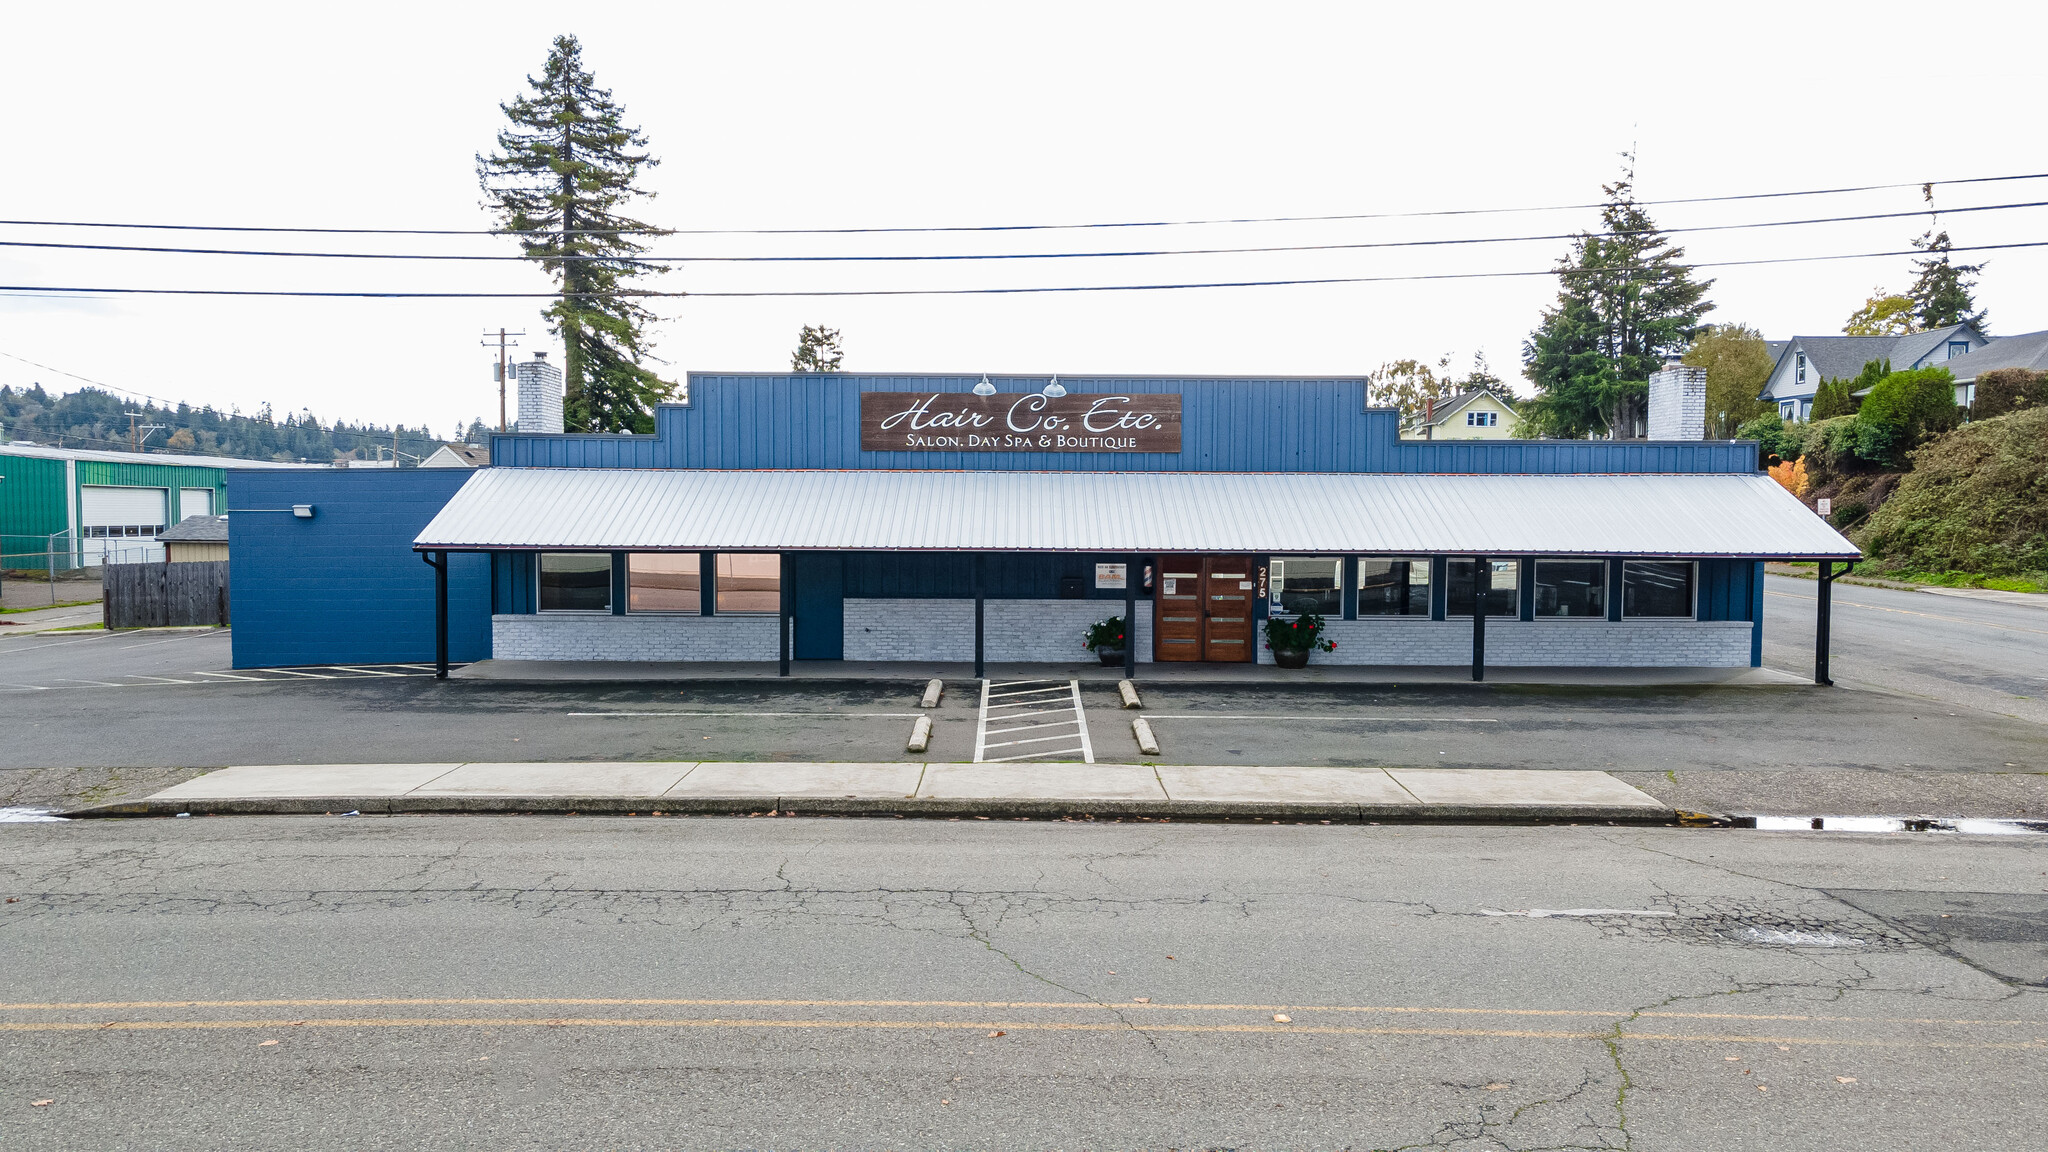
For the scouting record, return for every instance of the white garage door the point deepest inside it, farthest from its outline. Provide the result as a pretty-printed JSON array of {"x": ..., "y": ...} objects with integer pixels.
[
  {"x": 119, "y": 524},
  {"x": 195, "y": 502},
  {"x": 103, "y": 506}
]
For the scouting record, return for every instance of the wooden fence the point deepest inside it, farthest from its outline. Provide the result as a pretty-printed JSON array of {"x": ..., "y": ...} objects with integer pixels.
[{"x": 163, "y": 595}]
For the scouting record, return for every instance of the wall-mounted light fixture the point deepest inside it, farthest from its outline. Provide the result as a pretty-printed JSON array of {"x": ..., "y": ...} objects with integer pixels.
[
  {"x": 303, "y": 511},
  {"x": 984, "y": 388},
  {"x": 1053, "y": 389}
]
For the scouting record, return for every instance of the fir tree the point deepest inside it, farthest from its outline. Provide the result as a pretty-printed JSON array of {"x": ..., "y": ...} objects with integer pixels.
[
  {"x": 1942, "y": 292},
  {"x": 564, "y": 169},
  {"x": 1627, "y": 302},
  {"x": 817, "y": 350}
]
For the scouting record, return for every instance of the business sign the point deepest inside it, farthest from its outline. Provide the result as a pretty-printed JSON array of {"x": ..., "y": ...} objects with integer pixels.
[
  {"x": 1018, "y": 422},
  {"x": 1109, "y": 576}
]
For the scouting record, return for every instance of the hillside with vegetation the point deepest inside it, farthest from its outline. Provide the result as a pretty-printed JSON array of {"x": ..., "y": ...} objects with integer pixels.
[
  {"x": 96, "y": 419},
  {"x": 1928, "y": 490}
]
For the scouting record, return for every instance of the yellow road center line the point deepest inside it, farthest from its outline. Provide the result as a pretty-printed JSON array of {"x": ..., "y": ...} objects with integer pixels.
[
  {"x": 951, "y": 1025},
  {"x": 1002, "y": 1005}
]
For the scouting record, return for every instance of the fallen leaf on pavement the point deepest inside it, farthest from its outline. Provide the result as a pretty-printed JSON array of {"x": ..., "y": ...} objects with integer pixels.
[
  {"x": 266, "y": 1043},
  {"x": 945, "y": 1101},
  {"x": 993, "y": 1035},
  {"x": 1731, "y": 1059},
  {"x": 1845, "y": 1079},
  {"x": 1278, "y": 1018},
  {"x": 1495, "y": 1087},
  {"x": 1142, "y": 999},
  {"x": 1763, "y": 1088},
  {"x": 40, "y": 1103}
]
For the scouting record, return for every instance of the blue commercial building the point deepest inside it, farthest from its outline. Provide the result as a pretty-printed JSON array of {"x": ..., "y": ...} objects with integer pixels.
[{"x": 868, "y": 518}]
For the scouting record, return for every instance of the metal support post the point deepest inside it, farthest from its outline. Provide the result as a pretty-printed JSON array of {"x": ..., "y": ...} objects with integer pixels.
[
  {"x": 1482, "y": 583},
  {"x": 1822, "y": 620},
  {"x": 1131, "y": 571},
  {"x": 980, "y": 667},
  {"x": 782, "y": 612},
  {"x": 438, "y": 561}
]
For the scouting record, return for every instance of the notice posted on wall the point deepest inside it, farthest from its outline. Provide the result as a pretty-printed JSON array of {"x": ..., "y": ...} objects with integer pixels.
[{"x": 1109, "y": 576}]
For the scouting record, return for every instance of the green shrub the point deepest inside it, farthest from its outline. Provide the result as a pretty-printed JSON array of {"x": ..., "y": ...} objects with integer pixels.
[
  {"x": 1829, "y": 449},
  {"x": 1833, "y": 398},
  {"x": 1904, "y": 410},
  {"x": 1976, "y": 501},
  {"x": 1772, "y": 436},
  {"x": 2005, "y": 390}
]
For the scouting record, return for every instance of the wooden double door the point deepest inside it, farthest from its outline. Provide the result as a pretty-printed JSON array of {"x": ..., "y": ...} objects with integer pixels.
[{"x": 1202, "y": 609}]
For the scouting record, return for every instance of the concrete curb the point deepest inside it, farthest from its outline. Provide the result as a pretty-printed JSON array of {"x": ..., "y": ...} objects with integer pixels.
[{"x": 909, "y": 807}]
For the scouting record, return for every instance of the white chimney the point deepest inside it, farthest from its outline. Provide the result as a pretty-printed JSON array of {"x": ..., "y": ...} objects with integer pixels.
[
  {"x": 1678, "y": 402},
  {"x": 540, "y": 394}
]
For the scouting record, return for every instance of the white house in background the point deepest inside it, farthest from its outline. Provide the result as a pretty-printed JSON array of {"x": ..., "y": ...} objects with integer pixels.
[
  {"x": 1471, "y": 415},
  {"x": 2027, "y": 350},
  {"x": 458, "y": 456},
  {"x": 1804, "y": 362}
]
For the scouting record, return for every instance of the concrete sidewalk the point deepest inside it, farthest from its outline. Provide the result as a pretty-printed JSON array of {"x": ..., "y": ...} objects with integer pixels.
[
  {"x": 907, "y": 789},
  {"x": 593, "y": 671}
]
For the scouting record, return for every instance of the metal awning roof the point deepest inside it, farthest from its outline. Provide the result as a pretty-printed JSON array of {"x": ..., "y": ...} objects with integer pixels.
[{"x": 1149, "y": 512}]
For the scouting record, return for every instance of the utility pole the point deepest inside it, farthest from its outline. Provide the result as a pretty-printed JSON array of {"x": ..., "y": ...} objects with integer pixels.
[
  {"x": 135, "y": 445},
  {"x": 504, "y": 365}
]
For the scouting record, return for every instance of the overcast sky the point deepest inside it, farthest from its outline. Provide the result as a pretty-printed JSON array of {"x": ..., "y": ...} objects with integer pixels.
[{"x": 857, "y": 115}]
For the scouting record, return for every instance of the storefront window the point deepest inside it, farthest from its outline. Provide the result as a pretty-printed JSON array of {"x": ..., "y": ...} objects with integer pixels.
[
  {"x": 1303, "y": 584},
  {"x": 1657, "y": 588},
  {"x": 663, "y": 582},
  {"x": 1500, "y": 595},
  {"x": 1571, "y": 588},
  {"x": 749, "y": 582},
  {"x": 1393, "y": 586},
  {"x": 575, "y": 582}
]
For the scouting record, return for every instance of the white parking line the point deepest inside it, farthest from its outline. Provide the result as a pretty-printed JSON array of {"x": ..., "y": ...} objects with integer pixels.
[
  {"x": 842, "y": 715},
  {"x": 94, "y": 683},
  {"x": 1076, "y": 719},
  {"x": 1291, "y": 717},
  {"x": 364, "y": 671}
]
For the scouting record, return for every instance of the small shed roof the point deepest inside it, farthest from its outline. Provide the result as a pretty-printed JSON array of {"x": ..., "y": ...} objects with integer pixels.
[
  {"x": 196, "y": 530},
  {"x": 685, "y": 510}
]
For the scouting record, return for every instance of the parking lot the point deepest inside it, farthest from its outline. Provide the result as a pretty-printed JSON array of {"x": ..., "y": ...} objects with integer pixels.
[{"x": 1930, "y": 686}]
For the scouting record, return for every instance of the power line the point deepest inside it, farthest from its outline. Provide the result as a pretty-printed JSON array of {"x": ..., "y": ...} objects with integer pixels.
[
  {"x": 1011, "y": 227},
  {"x": 32, "y": 290},
  {"x": 1003, "y": 255}
]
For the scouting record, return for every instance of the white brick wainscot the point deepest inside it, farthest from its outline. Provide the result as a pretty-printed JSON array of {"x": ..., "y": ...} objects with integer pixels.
[
  {"x": 570, "y": 636},
  {"x": 1510, "y": 643},
  {"x": 1013, "y": 631}
]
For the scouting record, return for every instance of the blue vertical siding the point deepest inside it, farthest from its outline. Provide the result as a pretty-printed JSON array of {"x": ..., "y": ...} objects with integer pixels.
[
  {"x": 1262, "y": 424},
  {"x": 346, "y": 586}
]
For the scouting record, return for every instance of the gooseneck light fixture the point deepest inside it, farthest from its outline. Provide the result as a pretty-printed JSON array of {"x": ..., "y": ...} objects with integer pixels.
[
  {"x": 984, "y": 388},
  {"x": 1053, "y": 389}
]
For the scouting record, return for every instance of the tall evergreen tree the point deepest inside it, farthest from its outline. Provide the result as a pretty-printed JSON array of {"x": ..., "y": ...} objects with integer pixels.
[
  {"x": 1942, "y": 293},
  {"x": 1626, "y": 303},
  {"x": 564, "y": 170},
  {"x": 817, "y": 350}
]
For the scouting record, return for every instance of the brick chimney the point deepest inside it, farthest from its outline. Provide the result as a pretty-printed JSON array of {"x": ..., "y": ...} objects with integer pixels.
[{"x": 540, "y": 395}]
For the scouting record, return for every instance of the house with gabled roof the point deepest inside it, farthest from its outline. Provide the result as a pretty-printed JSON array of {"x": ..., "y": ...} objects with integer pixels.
[
  {"x": 1474, "y": 414},
  {"x": 2027, "y": 350},
  {"x": 1804, "y": 362}
]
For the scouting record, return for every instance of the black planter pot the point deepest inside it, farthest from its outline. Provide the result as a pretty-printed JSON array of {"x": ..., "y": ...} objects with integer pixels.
[
  {"x": 1291, "y": 657},
  {"x": 1110, "y": 655}
]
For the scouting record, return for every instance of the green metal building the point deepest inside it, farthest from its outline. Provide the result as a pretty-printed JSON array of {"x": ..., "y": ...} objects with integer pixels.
[{"x": 67, "y": 508}]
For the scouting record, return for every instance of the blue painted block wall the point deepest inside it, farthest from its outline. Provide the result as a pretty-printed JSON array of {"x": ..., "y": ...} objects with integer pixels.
[
  {"x": 784, "y": 420},
  {"x": 345, "y": 587}
]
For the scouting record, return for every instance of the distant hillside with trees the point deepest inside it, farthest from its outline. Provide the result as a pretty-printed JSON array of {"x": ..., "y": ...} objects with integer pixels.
[{"x": 96, "y": 419}]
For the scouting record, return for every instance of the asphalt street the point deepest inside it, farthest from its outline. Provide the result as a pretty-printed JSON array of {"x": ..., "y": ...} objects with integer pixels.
[
  {"x": 731, "y": 983},
  {"x": 1985, "y": 655}
]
